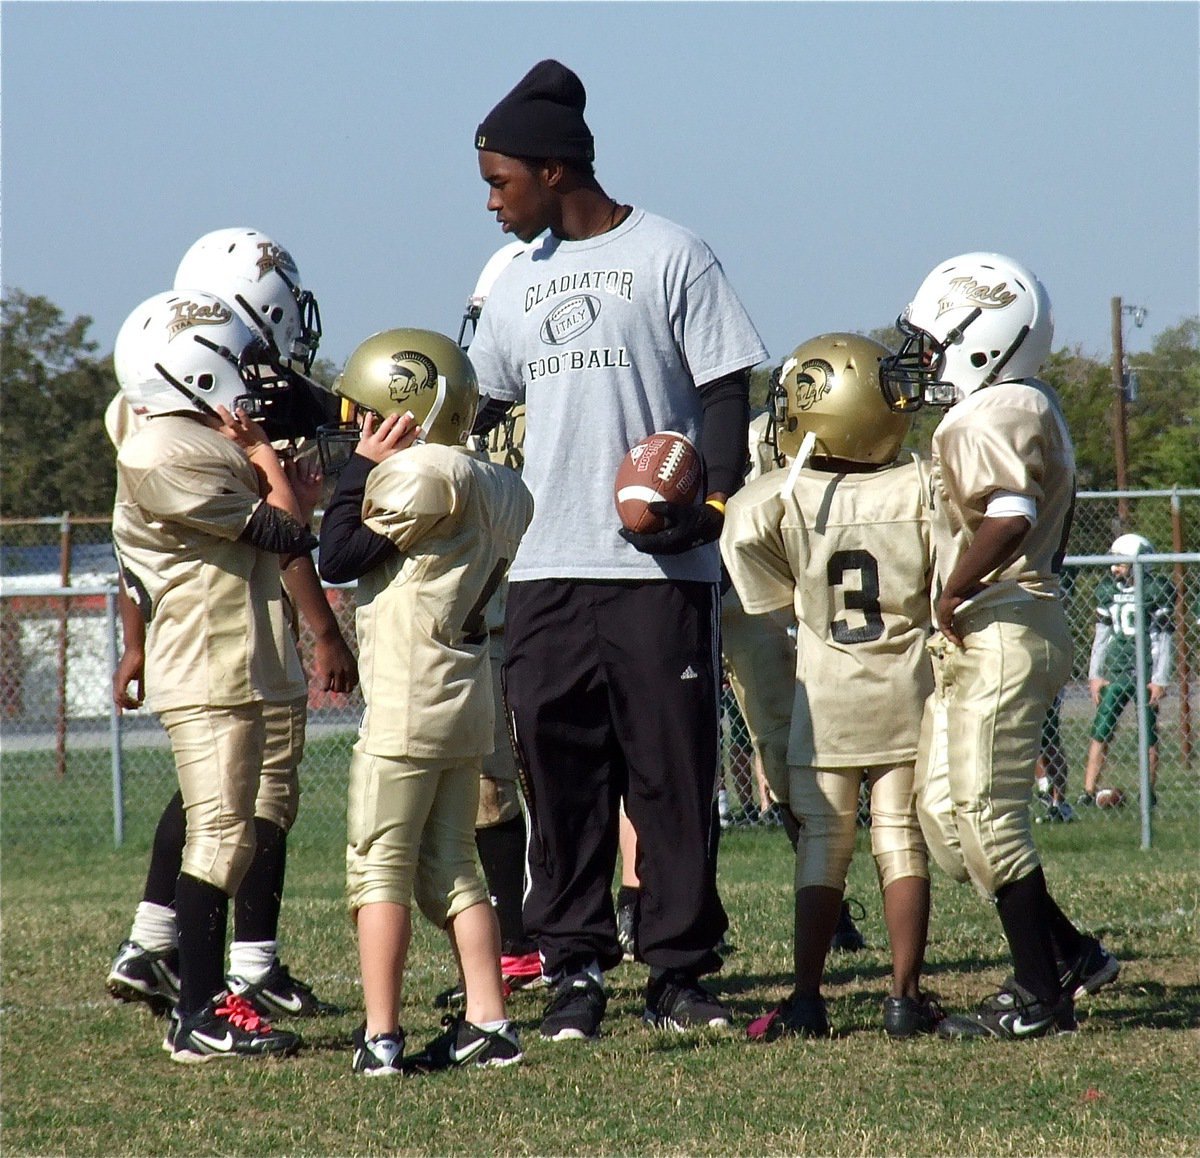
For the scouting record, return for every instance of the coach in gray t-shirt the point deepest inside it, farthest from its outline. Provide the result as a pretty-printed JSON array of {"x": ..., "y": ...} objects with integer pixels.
[{"x": 616, "y": 325}]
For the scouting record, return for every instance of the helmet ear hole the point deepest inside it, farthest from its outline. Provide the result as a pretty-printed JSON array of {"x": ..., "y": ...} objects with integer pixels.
[
  {"x": 205, "y": 383},
  {"x": 978, "y": 359}
]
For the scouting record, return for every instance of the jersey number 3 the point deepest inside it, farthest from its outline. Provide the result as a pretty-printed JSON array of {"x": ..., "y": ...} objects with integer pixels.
[{"x": 864, "y": 598}]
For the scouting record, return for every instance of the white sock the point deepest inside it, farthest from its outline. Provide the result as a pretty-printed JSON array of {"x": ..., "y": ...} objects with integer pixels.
[
  {"x": 252, "y": 960},
  {"x": 154, "y": 928},
  {"x": 493, "y": 1026}
]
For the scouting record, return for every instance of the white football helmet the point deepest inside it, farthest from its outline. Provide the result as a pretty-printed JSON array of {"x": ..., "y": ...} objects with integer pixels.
[
  {"x": 976, "y": 319},
  {"x": 188, "y": 350},
  {"x": 496, "y": 264},
  {"x": 258, "y": 276},
  {"x": 1129, "y": 544}
]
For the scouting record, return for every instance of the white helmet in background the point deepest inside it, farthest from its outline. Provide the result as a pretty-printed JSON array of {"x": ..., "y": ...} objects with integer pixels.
[
  {"x": 495, "y": 266},
  {"x": 259, "y": 277},
  {"x": 188, "y": 350},
  {"x": 976, "y": 319},
  {"x": 1130, "y": 544}
]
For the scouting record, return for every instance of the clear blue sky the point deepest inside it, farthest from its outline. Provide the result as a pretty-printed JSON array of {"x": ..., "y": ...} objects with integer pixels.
[{"x": 831, "y": 153}]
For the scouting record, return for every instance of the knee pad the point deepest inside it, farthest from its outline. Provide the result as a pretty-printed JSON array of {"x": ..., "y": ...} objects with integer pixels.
[
  {"x": 896, "y": 841},
  {"x": 220, "y": 854},
  {"x": 218, "y": 758},
  {"x": 278, "y": 797},
  {"x": 442, "y": 892},
  {"x": 824, "y": 802}
]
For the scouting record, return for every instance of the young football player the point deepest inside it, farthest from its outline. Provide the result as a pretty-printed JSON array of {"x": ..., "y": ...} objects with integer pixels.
[
  {"x": 1112, "y": 672},
  {"x": 843, "y": 539},
  {"x": 975, "y": 335},
  {"x": 428, "y": 529},
  {"x": 204, "y": 515},
  {"x": 258, "y": 278}
]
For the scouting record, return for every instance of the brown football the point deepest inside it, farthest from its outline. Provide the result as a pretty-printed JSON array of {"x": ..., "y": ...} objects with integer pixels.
[
  {"x": 663, "y": 468},
  {"x": 1110, "y": 798}
]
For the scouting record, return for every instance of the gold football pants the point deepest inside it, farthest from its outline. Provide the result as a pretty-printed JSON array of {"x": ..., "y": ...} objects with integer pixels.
[
  {"x": 824, "y": 802},
  {"x": 981, "y": 735},
  {"x": 411, "y": 834}
]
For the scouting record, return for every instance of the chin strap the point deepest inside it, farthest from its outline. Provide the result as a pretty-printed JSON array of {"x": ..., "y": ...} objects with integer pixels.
[{"x": 807, "y": 446}]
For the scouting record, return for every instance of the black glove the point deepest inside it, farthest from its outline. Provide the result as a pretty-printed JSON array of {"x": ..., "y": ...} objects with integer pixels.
[{"x": 687, "y": 527}]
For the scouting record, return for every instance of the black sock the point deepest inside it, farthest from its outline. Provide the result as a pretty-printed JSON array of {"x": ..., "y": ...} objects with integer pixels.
[
  {"x": 1067, "y": 940},
  {"x": 502, "y": 854},
  {"x": 256, "y": 906},
  {"x": 202, "y": 911},
  {"x": 1023, "y": 915},
  {"x": 166, "y": 856}
]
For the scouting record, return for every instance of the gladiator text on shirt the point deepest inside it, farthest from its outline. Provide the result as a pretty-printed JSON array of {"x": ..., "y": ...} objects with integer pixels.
[{"x": 610, "y": 281}]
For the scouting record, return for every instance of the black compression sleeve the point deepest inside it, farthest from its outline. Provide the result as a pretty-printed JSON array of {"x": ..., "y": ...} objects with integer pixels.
[
  {"x": 348, "y": 549},
  {"x": 490, "y": 414},
  {"x": 271, "y": 529},
  {"x": 723, "y": 437}
]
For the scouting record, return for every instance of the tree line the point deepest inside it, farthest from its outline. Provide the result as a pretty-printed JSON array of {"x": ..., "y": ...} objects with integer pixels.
[{"x": 55, "y": 386}]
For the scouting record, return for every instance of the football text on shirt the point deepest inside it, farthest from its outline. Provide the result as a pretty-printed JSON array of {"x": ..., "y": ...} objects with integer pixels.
[{"x": 574, "y": 360}]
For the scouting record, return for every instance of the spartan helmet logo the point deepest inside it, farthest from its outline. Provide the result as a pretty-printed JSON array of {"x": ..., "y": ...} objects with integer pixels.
[
  {"x": 410, "y": 373},
  {"x": 272, "y": 256},
  {"x": 813, "y": 382}
]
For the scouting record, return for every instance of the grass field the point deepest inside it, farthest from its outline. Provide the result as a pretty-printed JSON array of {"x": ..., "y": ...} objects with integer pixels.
[{"x": 82, "y": 1075}]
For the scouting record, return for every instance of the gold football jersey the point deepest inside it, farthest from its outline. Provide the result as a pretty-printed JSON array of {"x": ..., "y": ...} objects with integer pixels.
[
  {"x": 1008, "y": 437},
  {"x": 216, "y": 629},
  {"x": 422, "y": 630},
  {"x": 851, "y": 554}
]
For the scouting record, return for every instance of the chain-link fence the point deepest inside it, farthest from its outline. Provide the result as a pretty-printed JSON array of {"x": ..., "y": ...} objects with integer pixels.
[{"x": 73, "y": 769}]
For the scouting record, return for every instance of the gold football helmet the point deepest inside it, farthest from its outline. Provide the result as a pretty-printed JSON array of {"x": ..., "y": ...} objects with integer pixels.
[
  {"x": 399, "y": 371},
  {"x": 830, "y": 386}
]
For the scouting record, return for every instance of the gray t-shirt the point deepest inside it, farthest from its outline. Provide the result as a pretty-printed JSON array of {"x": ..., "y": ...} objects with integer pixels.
[{"x": 606, "y": 341}]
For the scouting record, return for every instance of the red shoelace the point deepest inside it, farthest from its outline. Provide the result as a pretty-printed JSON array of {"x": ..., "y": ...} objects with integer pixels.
[{"x": 242, "y": 1014}]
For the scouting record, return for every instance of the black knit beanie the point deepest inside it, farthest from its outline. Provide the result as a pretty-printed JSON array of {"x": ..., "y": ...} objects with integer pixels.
[{"x": 541, "y": 117}]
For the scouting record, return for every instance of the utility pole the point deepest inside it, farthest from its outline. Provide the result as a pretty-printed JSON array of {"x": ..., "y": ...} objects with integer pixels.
[{"x": 1119, "y": 443}]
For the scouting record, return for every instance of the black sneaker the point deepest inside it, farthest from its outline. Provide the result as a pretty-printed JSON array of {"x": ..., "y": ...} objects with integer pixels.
[
  {"x": 1093, "y": 969},
  {"x": 846, "y": 935},
  {"x": 1011, "y": 1014},
  {"x": 229, "y": 1026},
  {"x": 279, "y": 994},
  {"x": 576, "y": 1010},
  {"x": 379, "y": 1056},
  {"x": 139, "y": 975},
  {"x": 676, "y": 1000},
  {"x": 797, "y": 1017},
  {"x": 1085, "y": 800},
  {"x": 466, "y": 1044},
  {"x": 906, "y": 1016},
  {"x": 168, "y": 1041}
]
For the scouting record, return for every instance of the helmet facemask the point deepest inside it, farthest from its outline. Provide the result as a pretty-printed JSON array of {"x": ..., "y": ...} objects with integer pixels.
[{"x": 976, "y": 319}]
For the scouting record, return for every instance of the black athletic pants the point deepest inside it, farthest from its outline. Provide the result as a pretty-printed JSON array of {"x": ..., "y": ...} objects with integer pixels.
[{"x": 612, "y": 690}]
